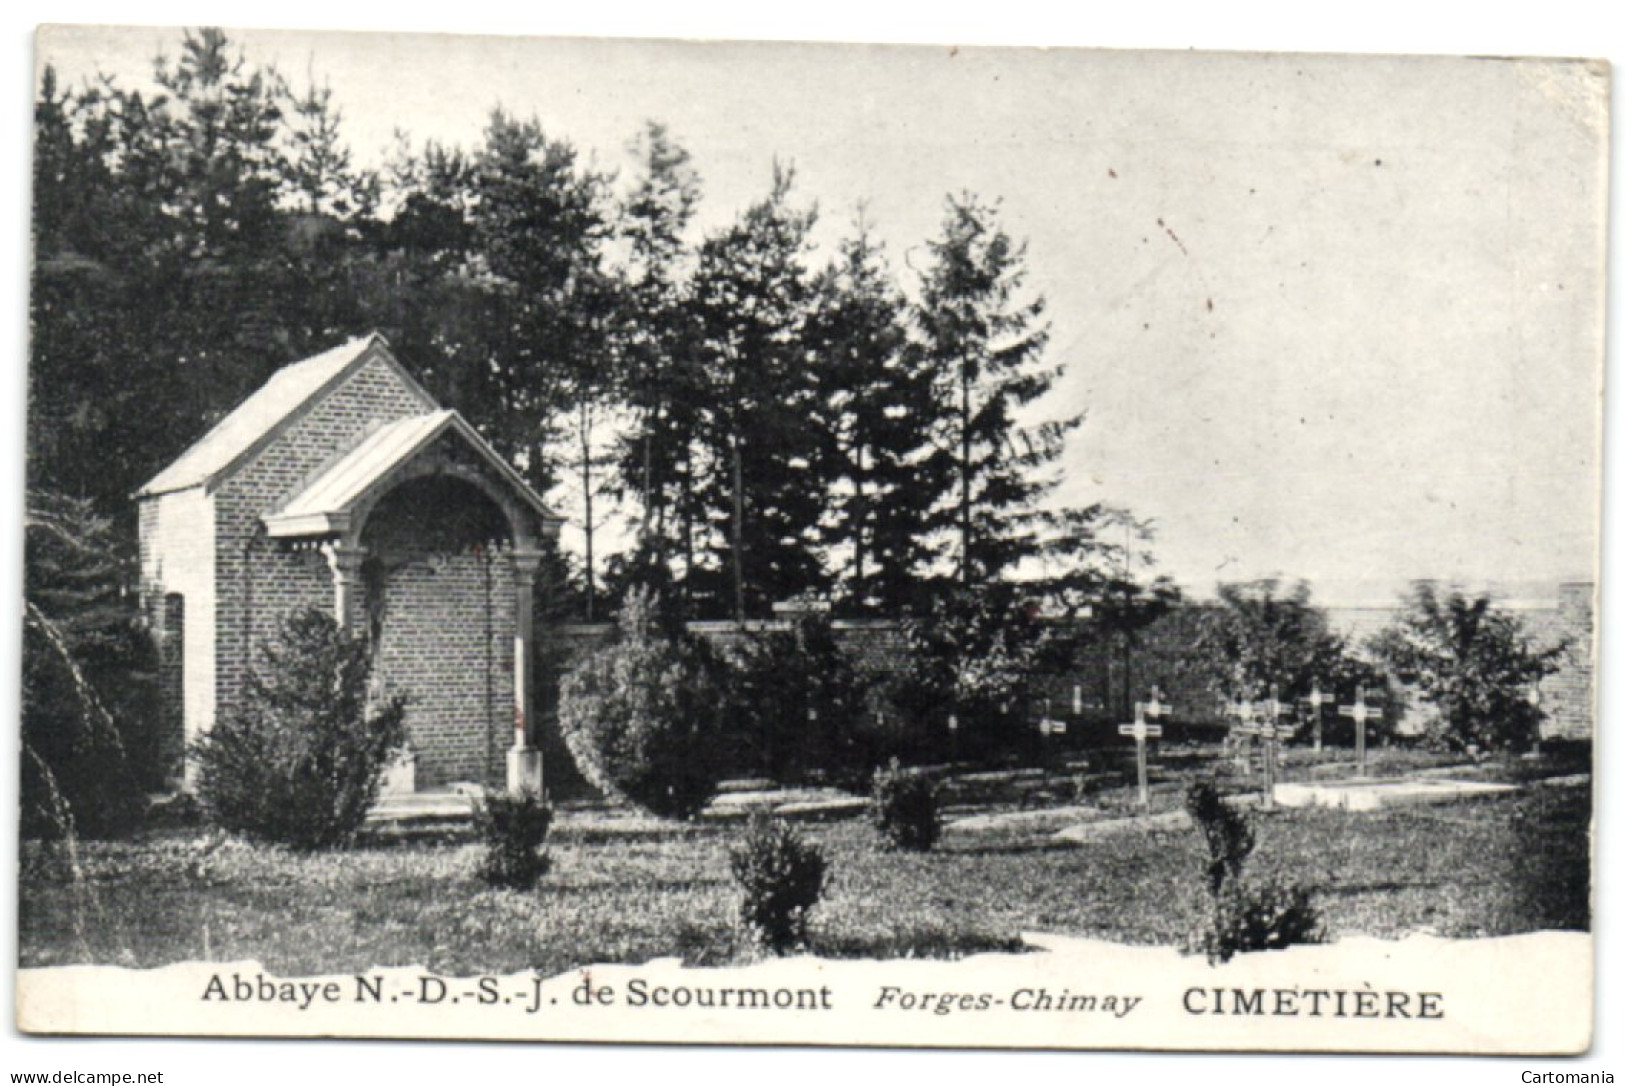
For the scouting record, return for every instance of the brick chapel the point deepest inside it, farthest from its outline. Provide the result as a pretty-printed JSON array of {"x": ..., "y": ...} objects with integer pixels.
[{"x": 342, "y": 484}]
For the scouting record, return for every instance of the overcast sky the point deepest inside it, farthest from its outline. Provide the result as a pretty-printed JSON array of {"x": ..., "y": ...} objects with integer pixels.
[{"x": 1332, "y": 318}]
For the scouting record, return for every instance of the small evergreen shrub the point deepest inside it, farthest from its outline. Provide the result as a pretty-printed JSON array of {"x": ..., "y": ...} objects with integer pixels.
[
  {"x": 1246, "y": 917},
  {"x": 300, "y": 760},
  {"x": 644, "y": 716},
  {"x": 782, "y": 877},
  {"x": 512, "y": 829},
  {"x": 1225, "y": 831},
  {"x": 1239, "y": 916},
  {"x": 904, "y": 807}
]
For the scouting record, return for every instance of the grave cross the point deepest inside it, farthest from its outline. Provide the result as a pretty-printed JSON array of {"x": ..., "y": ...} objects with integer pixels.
[
  {"x": 1080, "y": 703},
  {"x": 1272, "y": 731},
  {"x": 1360, "y": 712},
  {"x": 1262, "y": 721},
  {"x": 1273, "y": 707},
  {"x": 1156, "y": 706},
  {"x": 1316, "y": 701},
  {"x": 1243, "y": 712},
  {"x": 1140, "y": 731},
  {"x": 1049, "y": 726}
]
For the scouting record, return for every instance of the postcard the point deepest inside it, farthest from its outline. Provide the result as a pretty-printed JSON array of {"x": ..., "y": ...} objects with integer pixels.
[{"x": 723, "y": 543}]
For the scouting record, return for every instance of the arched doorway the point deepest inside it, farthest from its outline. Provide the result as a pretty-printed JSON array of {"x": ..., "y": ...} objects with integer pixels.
[{"x": 439, "y": 607}]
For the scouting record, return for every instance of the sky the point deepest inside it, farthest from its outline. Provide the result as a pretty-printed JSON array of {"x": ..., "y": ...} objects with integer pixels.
[{"x": 1337, "y": 318}]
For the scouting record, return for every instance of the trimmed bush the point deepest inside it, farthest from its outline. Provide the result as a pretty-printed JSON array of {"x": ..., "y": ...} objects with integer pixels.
[
  {"x": 644, "y": 716},
  {"x": 301, "y": 759},
  {"x": 513, "y": 830},
  {"x": 1240, "y": 917},
  {"x": 782, "y": 877},
  {"x": 904, "y": 808}
]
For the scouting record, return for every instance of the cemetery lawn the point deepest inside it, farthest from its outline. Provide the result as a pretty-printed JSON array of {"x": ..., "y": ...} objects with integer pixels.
[{"x": 1489, "y": 866}]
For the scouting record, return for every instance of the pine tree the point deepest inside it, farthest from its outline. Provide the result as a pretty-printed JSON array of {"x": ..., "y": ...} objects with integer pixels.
[
  {"x": 321, "y": 178},
  {"x": 876, "y": 413},
  {"x": 663, "y": 386},
  {"x": 985, "y": 341},
  {"x": 755, "y": 473},
  {"x": 159, "y": 260},
  {"x": 539, "y": 224}
]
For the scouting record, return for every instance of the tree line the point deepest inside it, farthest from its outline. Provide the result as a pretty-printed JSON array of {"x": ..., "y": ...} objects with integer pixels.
[{"x": 728, "y": 417}]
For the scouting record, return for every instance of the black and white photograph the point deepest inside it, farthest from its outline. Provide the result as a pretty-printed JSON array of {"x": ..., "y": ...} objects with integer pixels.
[{"x": 809, "y": 543}]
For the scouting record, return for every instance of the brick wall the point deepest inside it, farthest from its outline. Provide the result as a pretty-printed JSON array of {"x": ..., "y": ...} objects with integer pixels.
[
  {"x": 259, "y": 580},
  {"x": 1568, "y": 696},
  {"x": 447, "y": 645}
]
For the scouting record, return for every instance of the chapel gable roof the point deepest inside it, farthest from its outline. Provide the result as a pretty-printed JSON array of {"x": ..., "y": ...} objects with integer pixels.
[
  {"x": 325, "y": 505},
  {"x": 283, "y": 398}
]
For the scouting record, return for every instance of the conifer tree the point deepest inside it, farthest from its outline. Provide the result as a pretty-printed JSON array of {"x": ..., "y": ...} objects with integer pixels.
[
  {"x": 756, "y": 477},
  {"x": 985, "y": 339},
  {"x": 876, "y": 413},
  {"x": 662, "y": 384}
]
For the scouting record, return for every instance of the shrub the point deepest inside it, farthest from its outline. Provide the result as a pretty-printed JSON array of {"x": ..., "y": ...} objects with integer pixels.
[
  {"x": 643, "y": 716},
  {"x": 299, "y": 761},
  {"x": 1239, "y": 917},
  {"x": 1474, "y": 663},
  {"x": 801, "y": 705},
  {"x": 1245, "y": 918},
  {"x": 782, "y": 877},
  {"x": 1264, "y": 634},
  {"x": 1225, "y": 831},
  {"x": 973, "y": 654},
  {"x": 905, "y": 809},
  {"x": 512, "y": 829}
]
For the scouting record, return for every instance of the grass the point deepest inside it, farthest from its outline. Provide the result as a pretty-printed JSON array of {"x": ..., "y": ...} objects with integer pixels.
[{"x": 1488, "y": 866}]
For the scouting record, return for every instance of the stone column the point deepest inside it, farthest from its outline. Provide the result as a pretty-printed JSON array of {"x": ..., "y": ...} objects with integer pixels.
[
  {"x": 525, "y": 756},
  {"x": 345, "y": 559}
]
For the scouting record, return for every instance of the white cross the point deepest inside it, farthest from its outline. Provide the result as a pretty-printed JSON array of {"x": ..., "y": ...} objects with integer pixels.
[
  {"x": 1316, "y": 701},
  {"x": 1141, "y": 731},
  {"x": 1360, "y": 712},
  {"x": 1155, "y": 707},
  {"x": 1270, "y": 729},
  {"x": 1273, "y": 706}
]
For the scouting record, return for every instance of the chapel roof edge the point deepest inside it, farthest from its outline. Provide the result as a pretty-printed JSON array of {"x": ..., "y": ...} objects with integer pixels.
[{"x": 267, "y": 412}]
